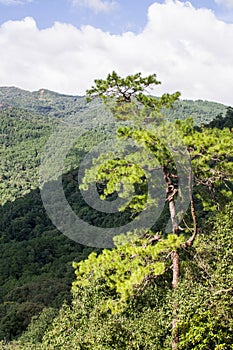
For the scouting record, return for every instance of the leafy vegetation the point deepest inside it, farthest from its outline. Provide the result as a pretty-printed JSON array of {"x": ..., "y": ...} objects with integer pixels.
[
  {"x": 22, "y": 137},
  {"x": 122, "y": 298},
  {"x": 36, "y": 263},
  {"x": 212, "y": 167},
  {"x": 204, "y": 293},
  {"x": 35, "y": 258}
]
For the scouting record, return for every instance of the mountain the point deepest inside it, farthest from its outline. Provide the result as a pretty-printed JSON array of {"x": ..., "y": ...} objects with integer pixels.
[
  {"x": 35, "y": 258},
  {"x": 43, "y": 102},
  {"x": 202, "y": 112},
  {"x": 68, "y": 108}
]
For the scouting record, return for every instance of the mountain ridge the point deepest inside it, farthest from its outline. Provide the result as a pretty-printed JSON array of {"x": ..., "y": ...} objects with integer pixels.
[{"x": 67, "y": 107}]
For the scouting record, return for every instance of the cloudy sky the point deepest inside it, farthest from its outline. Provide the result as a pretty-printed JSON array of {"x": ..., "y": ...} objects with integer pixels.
[{"x": 63, "y": 45}]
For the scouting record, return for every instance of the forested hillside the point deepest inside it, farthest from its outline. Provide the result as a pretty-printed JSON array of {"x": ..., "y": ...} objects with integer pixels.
[
  {"x": 48, "y": 103},
  {"x": 36, "y": 259},
  {"x": 43, "y": 102}
]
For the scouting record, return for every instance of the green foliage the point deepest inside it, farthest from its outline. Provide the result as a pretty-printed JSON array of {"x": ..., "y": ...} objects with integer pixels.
[
  {"x": 212, "y": 164},
  {"x": 126, "y": 96},
  {"x": 91, "y": 328},
  {"x": 15, "y": 318},
  {"x": 128, "y": 173},
  {"x": 35, "y": 262},
  {"x": 143, "y": 324},
  {"x": 38, "y": 326},
  {"x": 202, "y": 112},
  {"x": 73, "y": 108},
  {"x": 210, "y": 150},
  {"x": 42, "y": 102},
  {"x": 206, "y": 317},
  {"x": 221, "y": 121},
  {"x": 204, "y": 294},
  {"x": 126, "y": 269},
  {"x": 135, "y": 278},
  {"x": 122, "y": 89},
  {"x": 22, "y": 137}
]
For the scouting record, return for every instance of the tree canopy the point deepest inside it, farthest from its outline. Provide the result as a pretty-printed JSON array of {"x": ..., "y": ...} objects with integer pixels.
[{"x": 165, "y": 286}]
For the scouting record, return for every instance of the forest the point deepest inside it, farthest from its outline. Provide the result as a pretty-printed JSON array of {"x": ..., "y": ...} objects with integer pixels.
[{"x": 167, "y": 286}]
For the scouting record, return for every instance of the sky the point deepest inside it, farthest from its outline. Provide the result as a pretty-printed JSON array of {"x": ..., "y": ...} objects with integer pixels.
[{"x": 63, "y": 45}]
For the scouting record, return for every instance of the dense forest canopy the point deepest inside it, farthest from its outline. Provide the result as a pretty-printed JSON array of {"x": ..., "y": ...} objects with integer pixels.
[{"x": 122, "y": 298}]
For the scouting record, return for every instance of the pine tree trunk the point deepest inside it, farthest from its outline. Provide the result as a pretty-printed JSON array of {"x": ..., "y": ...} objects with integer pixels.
[
  {"x": 175, "y": 280},
  {"x": 175, "y": 275},
  {"x": 175, "y": 258}
]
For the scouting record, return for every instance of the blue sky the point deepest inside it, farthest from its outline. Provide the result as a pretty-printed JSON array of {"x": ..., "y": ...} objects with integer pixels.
[
  {"x": 63, "y": 45},
  {"x": 124, "y": 15},
  {"x": 127, "y": 15}
]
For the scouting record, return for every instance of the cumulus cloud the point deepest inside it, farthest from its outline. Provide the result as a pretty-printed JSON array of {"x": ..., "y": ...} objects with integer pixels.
[
  {"x": 14, "y": 2},
  {"x": 95, "y": 5},
  {"x": 188, "y": 48},
  {"x": 227, "y": 3}
]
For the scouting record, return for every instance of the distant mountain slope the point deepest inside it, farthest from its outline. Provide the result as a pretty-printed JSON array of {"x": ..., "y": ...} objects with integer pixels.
[
  {"x": 203, "y": 112},
  {"x": 28, "y": 118},
  {"x": 43, "y": 102},
  {"x": 68, "y": 107},
  {"x": 22, "y": 137}
]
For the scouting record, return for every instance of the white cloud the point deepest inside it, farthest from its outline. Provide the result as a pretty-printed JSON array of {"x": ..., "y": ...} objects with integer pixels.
[
  {"x": 95, "y": 5},
  {"x": 189, "y": 49},
  {"x": 227, "y": 3},
  {"x": 14, "y": 2}
]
